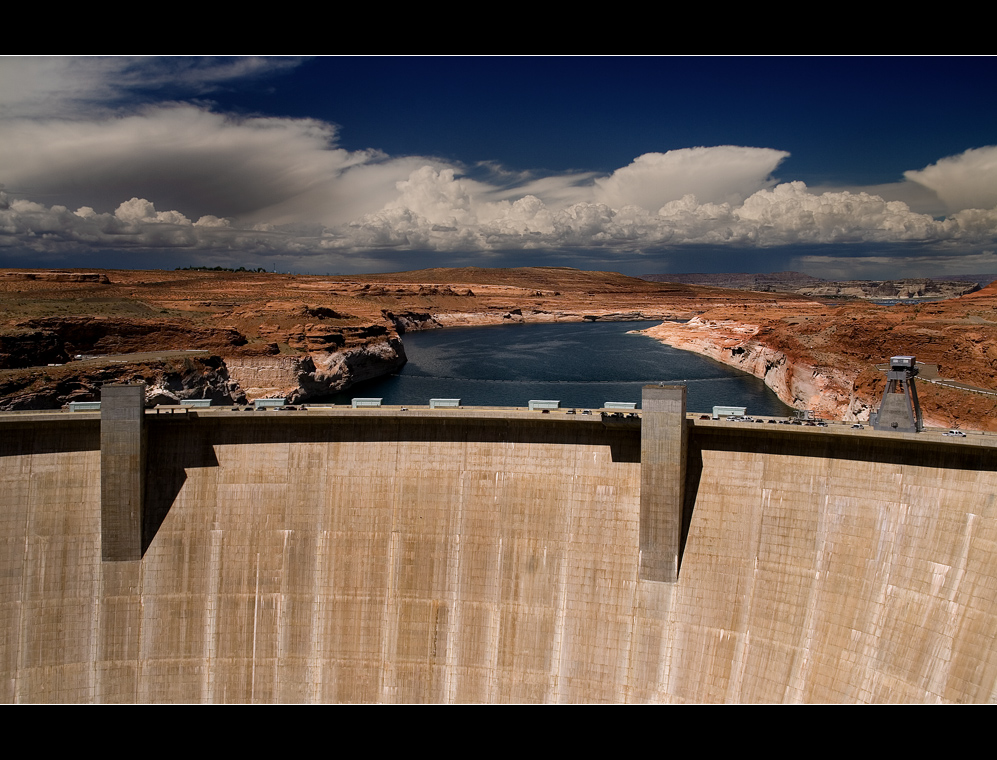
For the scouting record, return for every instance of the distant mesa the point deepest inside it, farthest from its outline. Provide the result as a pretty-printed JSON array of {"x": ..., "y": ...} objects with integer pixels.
[
  {"x": 96, "y": 277},
  {"x": 805, "y": 285}
]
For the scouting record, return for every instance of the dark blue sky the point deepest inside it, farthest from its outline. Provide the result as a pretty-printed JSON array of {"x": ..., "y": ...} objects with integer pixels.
[{"x": 844, "y": 120}]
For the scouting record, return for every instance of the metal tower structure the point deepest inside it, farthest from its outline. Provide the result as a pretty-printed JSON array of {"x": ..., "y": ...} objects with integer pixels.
[{"x": 899, "y": 411}]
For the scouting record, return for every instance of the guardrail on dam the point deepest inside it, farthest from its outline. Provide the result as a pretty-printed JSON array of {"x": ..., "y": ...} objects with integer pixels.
[{"x": 464, "y": 555}]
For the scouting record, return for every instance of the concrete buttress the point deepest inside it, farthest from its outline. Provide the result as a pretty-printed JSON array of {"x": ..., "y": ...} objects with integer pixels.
[
  {"x": 662, "y": 480},
  {"x": 122, "y": 471}
]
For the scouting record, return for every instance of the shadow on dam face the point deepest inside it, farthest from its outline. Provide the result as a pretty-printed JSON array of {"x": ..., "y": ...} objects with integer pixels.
[
  {"x": 176, "y": 444},
  {"x": 748, "y": 440},
  {"x": 923, "y": 451},
  {"x": 53, "y": 436}
]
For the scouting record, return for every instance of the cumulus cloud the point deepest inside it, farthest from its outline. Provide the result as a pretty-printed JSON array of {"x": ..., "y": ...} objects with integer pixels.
[
  {"x": 438, "y": 210},
  {"x": 954, "y": 183},
  {"x": 188, "y": 158},
  {"x": 182, "y": 177},
  {"x": 135, "y": 225},
  {"x": 722, "y": 174},
  {"x": 966, "y": 181},
  {"x": 790, "y": 214}
]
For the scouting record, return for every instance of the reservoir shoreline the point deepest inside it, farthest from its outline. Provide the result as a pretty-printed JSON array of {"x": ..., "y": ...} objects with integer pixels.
[{"x": 582, "y": 366}]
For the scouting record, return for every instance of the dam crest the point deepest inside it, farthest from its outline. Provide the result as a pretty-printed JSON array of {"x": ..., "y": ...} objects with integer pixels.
[{"x": 484, "y": 555}]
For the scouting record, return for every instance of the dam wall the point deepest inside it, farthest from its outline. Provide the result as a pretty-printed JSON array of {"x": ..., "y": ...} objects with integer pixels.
[{"x": 468, "y": 556}]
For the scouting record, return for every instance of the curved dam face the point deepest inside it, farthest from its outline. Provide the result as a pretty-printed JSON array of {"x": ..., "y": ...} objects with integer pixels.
[{"x": 455, "y": 556}]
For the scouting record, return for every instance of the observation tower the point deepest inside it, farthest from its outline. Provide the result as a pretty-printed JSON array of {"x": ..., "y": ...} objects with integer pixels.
[{"x": 899, "y": 411}]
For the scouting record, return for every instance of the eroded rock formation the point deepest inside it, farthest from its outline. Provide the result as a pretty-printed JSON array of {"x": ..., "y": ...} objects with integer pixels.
[
  {"x": 828, "y": 390},
  {"x": 319, "y": 372},
  {"x": 47, "y": 340},
  {"x": 169, "y": 381},
  {"x": 823, "y": 357}
]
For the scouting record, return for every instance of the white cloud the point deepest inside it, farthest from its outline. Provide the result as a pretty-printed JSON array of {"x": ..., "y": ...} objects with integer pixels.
[
  {"x": 435, "y": 210},
  {"x": 139, "y": 177},
  {"x": 722, "y": 174},
  {"x": 439, "y": 210},
  {"x": 134, "y": 225},
  {"x": 965, "y": 181},
  {"x": 790, "y": 214},
  {"x": 180, "y": 156}
]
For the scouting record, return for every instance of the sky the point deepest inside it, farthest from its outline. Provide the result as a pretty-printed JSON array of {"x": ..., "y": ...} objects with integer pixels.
[{"x": 840, "y": 167}]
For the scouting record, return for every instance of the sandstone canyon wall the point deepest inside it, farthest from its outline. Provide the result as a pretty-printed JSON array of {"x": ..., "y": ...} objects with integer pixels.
[{"x": 797, "y": 381}]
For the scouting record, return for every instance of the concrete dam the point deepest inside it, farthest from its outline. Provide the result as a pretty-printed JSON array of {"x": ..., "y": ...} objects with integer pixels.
[{"x": 473, "y": 555}]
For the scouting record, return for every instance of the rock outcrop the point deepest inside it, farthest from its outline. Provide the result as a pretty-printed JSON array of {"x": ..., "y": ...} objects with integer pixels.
[
  {"x": 824, "y": 357},
  {"x": 800, "y": 383},
  {"x": 325, "y": 357},
  {"x": 411, "y": 321},
  {"x": 318, "y": 373},
  {"x": 169, "y": 381},
  {"x": 899, "y": 290},
  {"x": 324, "y": 374},
  {"x": 48, "y": 340},
  {"x": 30, "y": 347}
]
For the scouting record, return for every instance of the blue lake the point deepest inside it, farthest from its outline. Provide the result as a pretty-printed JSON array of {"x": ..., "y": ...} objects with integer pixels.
[{"x": 582, "y": 365}]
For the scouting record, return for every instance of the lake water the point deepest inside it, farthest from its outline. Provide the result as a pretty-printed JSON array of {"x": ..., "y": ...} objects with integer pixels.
[{"x": 582, "y": 365}]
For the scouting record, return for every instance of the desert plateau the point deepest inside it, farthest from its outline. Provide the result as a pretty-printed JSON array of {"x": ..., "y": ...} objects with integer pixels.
[{"x": 237, "y": 336}]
